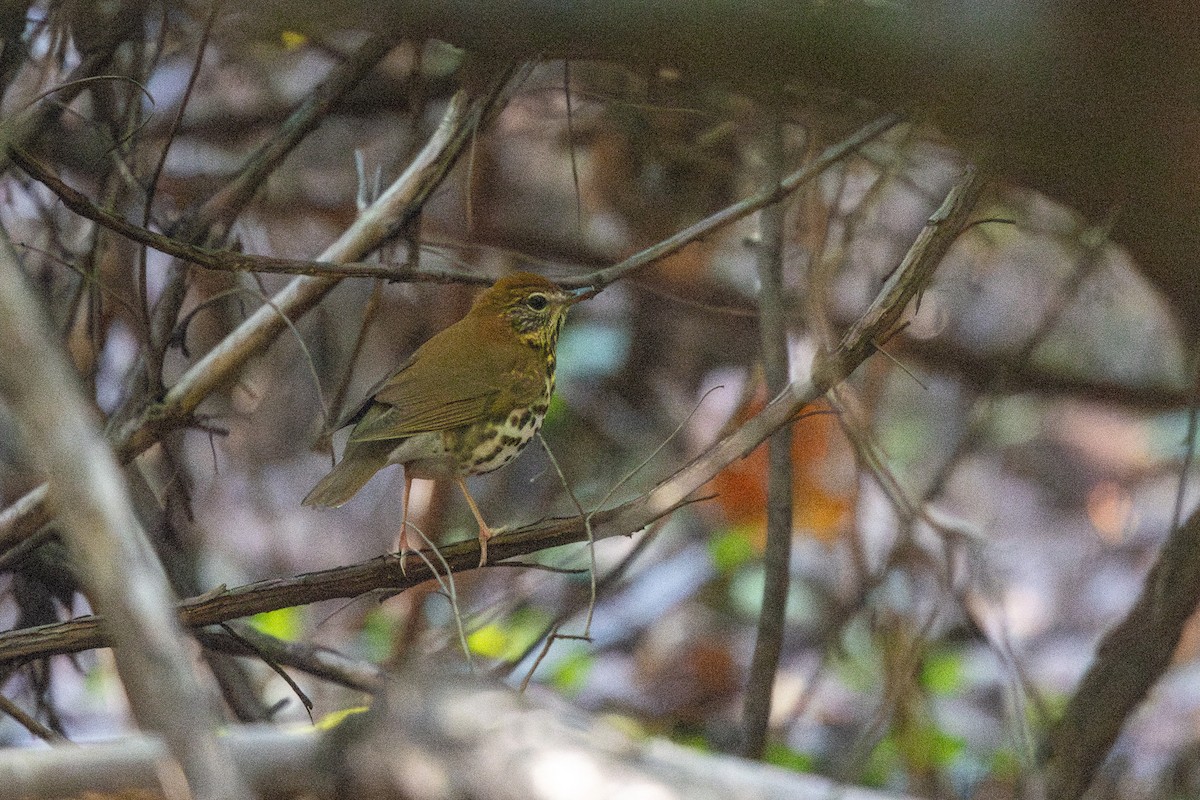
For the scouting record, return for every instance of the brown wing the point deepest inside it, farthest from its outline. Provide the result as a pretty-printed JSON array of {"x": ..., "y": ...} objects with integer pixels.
[{"x": 460, "y": 376}]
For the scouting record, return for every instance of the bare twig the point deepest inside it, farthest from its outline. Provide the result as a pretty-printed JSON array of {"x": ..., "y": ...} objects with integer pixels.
[
  {"x": 914, "y": 272},
  {"x": 211, "y": 221},
  {"x": 229, "y": 261},
  {"x": 315, "y": 660},
  {"x": 745, "y": 208},
  {"x": 143, "y": 290},
  {"x": 587, "y": 528},
  {"x": 220, "y": 260},
  {"x": 29, "y": 723},
  {"x": 25, "y": 126}
]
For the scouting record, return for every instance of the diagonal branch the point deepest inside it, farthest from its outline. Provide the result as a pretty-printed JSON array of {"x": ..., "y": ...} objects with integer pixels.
[
  {"x": 114, "y": 558},
  {"x": 1130, "y": 659},
  {"x": 669, "y": 246}
]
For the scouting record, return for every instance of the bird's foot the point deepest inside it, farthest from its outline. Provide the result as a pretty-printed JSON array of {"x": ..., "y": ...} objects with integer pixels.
[
  {"x": 485, "y": 533},
  {"x": 403, "y": 548}
]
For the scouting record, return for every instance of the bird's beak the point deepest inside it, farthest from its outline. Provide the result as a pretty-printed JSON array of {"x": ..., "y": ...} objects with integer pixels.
[{"x": 579, "y": 295}]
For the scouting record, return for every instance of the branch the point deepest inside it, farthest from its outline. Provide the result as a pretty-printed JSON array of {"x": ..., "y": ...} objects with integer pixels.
[
  {"x": 25, "y": 126},
  {"x": 223, "y": 206},
  {"x": 470, "y": 739},
  {"x": 116, "y": 563},
  {"x": 909, "y": 279},
  {"x": 777, "y": 556},
  {"x": 230, "y": 261},
  {"x": 275, "y": 763},
  {"x": 982, "y": 371},
  {"x": 538, "y": 751},
  {"x": 209, "y": 258},
  {"x": 210, "y": 221},
  {"x": 380, "y": 575},
  {"x": 1131, "y": 658},
  {"x": 321, "y": 662}
]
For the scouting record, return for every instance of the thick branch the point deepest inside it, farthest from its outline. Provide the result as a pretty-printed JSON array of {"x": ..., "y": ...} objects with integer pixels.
[
  {"x": 520, "y": 747},
  {"x": 1130, "y": 659},
  {"x": 434, "y": 736},
  {"x": 121, "y": 575},
  {"x": 275, "y": 763}
]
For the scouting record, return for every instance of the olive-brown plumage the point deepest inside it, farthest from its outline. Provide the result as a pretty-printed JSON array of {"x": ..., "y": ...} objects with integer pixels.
[{"x": 466, "y": 402}]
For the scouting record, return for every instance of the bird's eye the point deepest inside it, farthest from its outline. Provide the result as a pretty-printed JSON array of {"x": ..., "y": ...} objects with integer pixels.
[{"x": 537, "y": 302}]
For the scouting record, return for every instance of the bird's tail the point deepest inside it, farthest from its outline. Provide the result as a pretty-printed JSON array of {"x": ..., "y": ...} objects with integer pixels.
[{"x": 360, "y": 461}]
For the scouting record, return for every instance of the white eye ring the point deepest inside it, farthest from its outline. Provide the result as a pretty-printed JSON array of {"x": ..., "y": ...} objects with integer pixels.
[{"x": 537, "y": 302}]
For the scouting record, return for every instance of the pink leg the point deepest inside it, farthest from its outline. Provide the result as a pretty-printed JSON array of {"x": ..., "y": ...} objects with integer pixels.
[
  {"x": 402, "y": 543},
  {"x": 485, "y": 532}
]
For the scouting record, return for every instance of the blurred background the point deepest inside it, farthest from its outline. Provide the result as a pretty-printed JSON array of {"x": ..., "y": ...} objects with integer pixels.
[{"x": 1035, "y": 406}]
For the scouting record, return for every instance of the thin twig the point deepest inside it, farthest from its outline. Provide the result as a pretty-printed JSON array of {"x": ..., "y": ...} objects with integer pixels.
[
  {"x": 587, "y": 526},
  {"x": 29, "y": 723},
  {"x": 172, "y": 132},
  {"x": 745, "y": 208},
  {"x": 321, "y": 662},
  {"x": 266, "y": 658},
  {"x": 571, "y": 145},
  {"x": 570, "y": 609},
  {"x": 230, "y": 261},
  {"x": 445, "y": 581}
]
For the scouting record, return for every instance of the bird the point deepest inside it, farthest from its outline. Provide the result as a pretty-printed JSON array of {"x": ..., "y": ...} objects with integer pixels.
[{"x": 466, "y": 402}]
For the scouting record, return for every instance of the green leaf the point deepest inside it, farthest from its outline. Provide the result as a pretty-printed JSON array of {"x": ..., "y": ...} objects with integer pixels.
[
  {"x": 945, "y": 748},
  {"x": 490, "y": 641},
  {"x": 783, "y": 756},
  {"x": 509, "y": 638},
  {"x": 942, "y": 672},
  {"x": 571, "y": 672},
  {"x": 284, "y": 623},
  {"x": 730, "y": 550},
  {"x": 378, "y": 634}
]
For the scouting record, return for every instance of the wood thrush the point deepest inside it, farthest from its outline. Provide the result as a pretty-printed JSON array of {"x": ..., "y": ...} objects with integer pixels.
[{"x": 466, "y": 402}]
